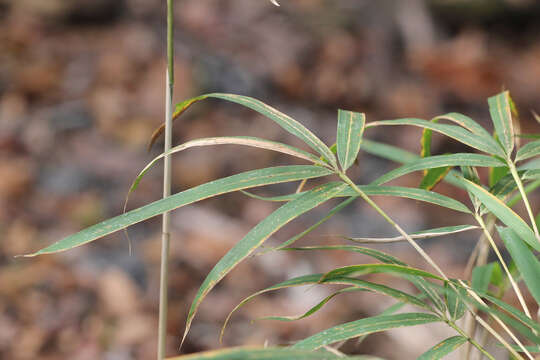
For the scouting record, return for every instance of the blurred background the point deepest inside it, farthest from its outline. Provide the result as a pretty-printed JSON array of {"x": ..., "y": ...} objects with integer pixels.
[{"x": 81, "y": 90}]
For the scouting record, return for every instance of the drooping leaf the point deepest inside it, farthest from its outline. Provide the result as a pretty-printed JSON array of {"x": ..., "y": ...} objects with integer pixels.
[
  {"x": 424, "y": 234},
  {"x": 443, "y": 348},
  {"x": 519, "y": 315},
  {"x": 526, "y": 262},
  {"x": 501, "y": 115},
  {"x": 528, "y": 150},
  {"x": 364, "y": 326},
  {"x": 349, "y": 136},
  {"x": 286, "y": 122},
  {"x": 504, "y": 213},
  {"x": 269, "y": 353},
  {"x": 436, "y": 161},
  {"x": 232, "y": 183},
  {"x": 456, "y": 132},
  {"x": 258, "y": 235}
]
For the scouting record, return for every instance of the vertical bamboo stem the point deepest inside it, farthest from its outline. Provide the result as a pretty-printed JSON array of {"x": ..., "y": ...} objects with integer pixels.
[{"x": 165, "y": 237}]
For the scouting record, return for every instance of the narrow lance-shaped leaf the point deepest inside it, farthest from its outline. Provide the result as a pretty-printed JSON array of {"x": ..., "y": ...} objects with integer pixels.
[
  {"x": 526, "y": 262},
  {"x": 501, "y": 115},
  {"x": 362, "y": 327},
  {"x": 389, "y": 152},
  {"x": 232, "y": 183},
  {"x": 443, "y": 348},
  {"x": 349, "y": 136},
  {"x": 456, "y": 132},
  {"x": 436, "y": 161},
  {"x": 528, "y": 150},
  {"x": 395, "y": 191},
  {"x": 258, "y": 235},
  {"x": 286, "y": 122},
  {"x": 504, "y": 213}
]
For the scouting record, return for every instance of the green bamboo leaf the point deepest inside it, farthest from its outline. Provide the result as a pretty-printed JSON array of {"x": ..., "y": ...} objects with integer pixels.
[
  {"x": 232, "y": 183},
  {"x": 258, "y": 235},
  {"x": 456, "y": 132},
  {"x": 424, "y": 234},
  {"x": 362, "y": 327},
  {"x": 443, "y": 348},
  {"x": 519, "y": 315},
  {"x": 531, "y": 175},
  {"x": 364, "y": 269},
  {"x": 286, "y": 122},
  {"x": 526, "y": 262},
  {"x": 467, "y": 123},
  {"x": 275, "y": 353},
  {"x": 437, "y": 161},
  {"x": 501, "y": 115},
  {"x": 349, "y": 136},
  {"x": 528, "y": 150},
  {"x": 471, "y": 174},
  {"x": 504, "y": 213},
  {"x": 410, "y": 193},
  {"x": 456, "y": 307},
  {"x": 389, "y": 152},
  {"x": 481, "y": 277},
  {"x": 497, "y": 173},
  {"x": 394, "y": 191}
]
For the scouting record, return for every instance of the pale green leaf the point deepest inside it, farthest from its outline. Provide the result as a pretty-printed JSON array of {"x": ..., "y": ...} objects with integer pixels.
[
  {"x": 349, "y": 136},
  {"x": 526, "y": 262},
  {"x": 501, "y": 115},
  {"x": 443, "y": 348},
  {"x": 504, "y": 213},
  {"x": 481, "y": 277},
  {"x": 258, "y": 235},
  {"x": 467, "y": 123},
  {"x": 528, "y": 150},
  {"x": 237, "y": 182},
  {"x": 436, "y": 161},
  {"x": 456, "y": 307},
  {"x": 362, "y": 327},
  {"x": 389, "y": 152},
  {"x": 364, "y": 269},
  {"x": 456, "y": 132}
]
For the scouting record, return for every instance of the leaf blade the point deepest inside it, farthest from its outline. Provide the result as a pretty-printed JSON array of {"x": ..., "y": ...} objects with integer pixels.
[
  {"x": 528, "y": 150},
  {"x": 217, "y": 187},
  {"x": 443, "y": 348},
  {"x": 362, "y": 327},
  {"x": 503, "y": 213},
  {"x": 349, "y": 136},
  {"x": 501, "y": 115}
]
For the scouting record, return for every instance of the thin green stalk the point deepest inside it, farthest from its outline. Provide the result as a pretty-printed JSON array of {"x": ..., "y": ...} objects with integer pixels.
[
  {"x": 503, "y": 263},
  {"x": 165, "y": 238},
  {"x": 519, "y": 184}
]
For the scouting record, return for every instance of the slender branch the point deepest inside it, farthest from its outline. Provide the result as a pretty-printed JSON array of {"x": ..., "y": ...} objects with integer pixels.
[{"x": 165, "y": 238}]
